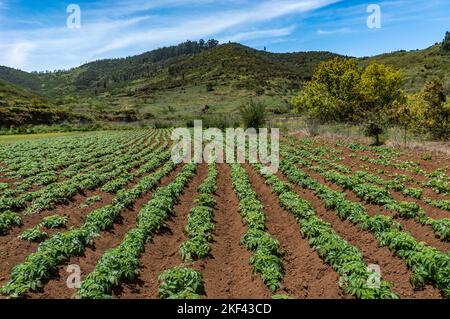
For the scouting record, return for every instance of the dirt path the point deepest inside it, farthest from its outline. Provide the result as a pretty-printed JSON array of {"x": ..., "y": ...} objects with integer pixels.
[{"x": 306, "y": 275}]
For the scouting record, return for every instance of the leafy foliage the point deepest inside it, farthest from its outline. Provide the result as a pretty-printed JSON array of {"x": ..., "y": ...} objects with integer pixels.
[
  {"x": 54, "y": 221},
  {"x": 33, "y": 234},
  {"x": 253, "y": 114},
  {"x": 180, "y": 283},
  {"x": 8, "y": 220}
]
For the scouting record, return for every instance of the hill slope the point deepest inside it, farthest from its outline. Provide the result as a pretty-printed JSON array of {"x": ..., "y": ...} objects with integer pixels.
[
  {"x": 191, "y": 78},
  {"x": 177, "y": 80},
  {"x": 418, "y": 66}
]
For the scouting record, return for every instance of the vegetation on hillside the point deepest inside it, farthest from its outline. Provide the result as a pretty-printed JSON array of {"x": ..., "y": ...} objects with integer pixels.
[
  {"x": 341, "y": 91},
  {"x": 202, "y": 79},
  {"x": 372, "y": 96}
]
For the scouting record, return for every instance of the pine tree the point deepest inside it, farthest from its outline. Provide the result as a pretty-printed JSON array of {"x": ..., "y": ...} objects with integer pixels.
[{"x": 446, "y": 43}]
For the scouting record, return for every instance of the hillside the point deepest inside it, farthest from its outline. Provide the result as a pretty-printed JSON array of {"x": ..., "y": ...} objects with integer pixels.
[
  {"x": 194, "y": 78},
  {"x": 177, "y": 80},
  {"x": 12, "y": 95},
  {"x": 418, "y": 66}
]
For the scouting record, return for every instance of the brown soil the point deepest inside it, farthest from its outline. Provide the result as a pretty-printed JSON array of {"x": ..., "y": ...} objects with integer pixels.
[
  {"x": 421, "y": 232},
  {"x": 393, "y": 269},
  {"x": 162, "y": 252},
  {"x": 56, "y": 287},
  {"x": 228, "y": 274},
  {"x": 305, "y": 274}
]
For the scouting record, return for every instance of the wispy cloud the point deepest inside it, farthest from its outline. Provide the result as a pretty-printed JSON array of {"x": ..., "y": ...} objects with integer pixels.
[
  {"x": 251, "y": 35},
  {"x": 336, "y": 31},
  {"x": 197, "y": 27},
  {"x": 18, "y": 54},
  {"x": 130, "y": 27}
]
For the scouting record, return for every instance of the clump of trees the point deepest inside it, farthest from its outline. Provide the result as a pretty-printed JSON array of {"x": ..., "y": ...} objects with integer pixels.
[
  {"x": 342, "y": 91},
  {"x": 372, "y": 96},
  {"x": 429, "y": 110},
  {"x": 446, "y": 43}
]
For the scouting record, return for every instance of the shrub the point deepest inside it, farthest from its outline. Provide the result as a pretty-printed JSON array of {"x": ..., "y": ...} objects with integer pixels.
[
  {"x": 374, "y": 128},
  {"x": 253, "y": 114}
]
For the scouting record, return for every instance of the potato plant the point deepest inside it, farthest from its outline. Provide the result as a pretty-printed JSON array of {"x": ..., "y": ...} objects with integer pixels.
[
  {"x": 267, "y": 254},
  {"x": 428, "y": 264}
]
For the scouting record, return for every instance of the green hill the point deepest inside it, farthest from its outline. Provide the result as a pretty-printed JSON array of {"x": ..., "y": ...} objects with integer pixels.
[
  {"x": 177, "y": 81},
  {"x": 12, "y": 95},
  {"x": 194, "y": 78},
  {"x": 418, "y": 66}
]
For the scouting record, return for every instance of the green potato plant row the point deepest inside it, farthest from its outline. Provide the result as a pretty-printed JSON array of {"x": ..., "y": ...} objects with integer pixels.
[
  {"x": 361, "y": 183},
  {"x": 183, "y": 282},
  {"x": 200, "y": 225},
  {"x": 355, "y": 277},
  {"x": 380, "y": 196},
  {"x": 90, "y": 201},
  {"x": 36, "y": 234},
  {"x": 442, "y": 204},
  {"x": 84, "y": 165},
  {"x": 48, "y": 197},
  {"x": 122, "y": 263},
  {"x": 114, "y": 185},
  {"x": 13, "y": 201},
  {"x": 42, "y": 264},
  {"x": 267, "y": 254},
  {"x": 62, "y": 192},
  {"x": 395, "y": 183},
  {"x": 58, "y": 154},
  {"x": 8, "y": 220},
  {"x": 44, "y": 176},
  {"x": 438, "y": 181},
  {"x": 36, "y": 172},
  {"x": 429, "y": 265}
]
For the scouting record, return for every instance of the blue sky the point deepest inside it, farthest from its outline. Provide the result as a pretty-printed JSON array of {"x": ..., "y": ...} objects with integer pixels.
[{"x": 34, "y": 34}]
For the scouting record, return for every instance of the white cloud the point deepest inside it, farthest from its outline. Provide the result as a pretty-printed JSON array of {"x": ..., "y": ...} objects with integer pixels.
[
  {"x": 251, "y": 35},
  {"x": 17, "y": 54},
  {"x": 336, "y": 31},
  {"x": 107, "y": 35},
  {"x": 215, "y": 24}
]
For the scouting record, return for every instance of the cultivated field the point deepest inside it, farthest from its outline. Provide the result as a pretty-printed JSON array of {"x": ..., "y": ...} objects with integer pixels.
[{"x": 139, "y": 226}]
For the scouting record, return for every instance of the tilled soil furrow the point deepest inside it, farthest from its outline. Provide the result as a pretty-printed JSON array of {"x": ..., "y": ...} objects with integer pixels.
[
  {"x": 162, "y": 252},
  {"x": 393, "y": 269},
  {"x": 306, "y": 275},
  {"x": 228, "y": 274}
]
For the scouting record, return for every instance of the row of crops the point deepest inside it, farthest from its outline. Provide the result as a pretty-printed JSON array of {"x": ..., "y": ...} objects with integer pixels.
[{"x": 132, "y": 165}]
